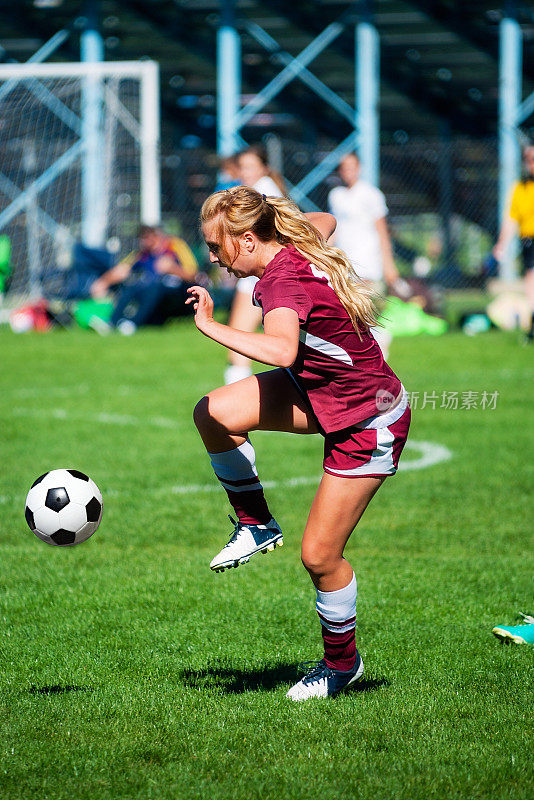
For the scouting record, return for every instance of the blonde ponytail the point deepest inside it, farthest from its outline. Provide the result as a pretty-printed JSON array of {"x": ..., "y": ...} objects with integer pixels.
[
  {"x": 241, "y": 209},
  {"x": 355, "y": 296}
]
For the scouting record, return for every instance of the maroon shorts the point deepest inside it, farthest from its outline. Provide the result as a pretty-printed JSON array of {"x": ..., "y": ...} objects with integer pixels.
[{"x": 370, "y": 452}]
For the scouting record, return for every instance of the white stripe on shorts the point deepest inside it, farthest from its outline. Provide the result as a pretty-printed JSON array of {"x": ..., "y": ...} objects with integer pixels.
[{"x": 381, "y": 462}]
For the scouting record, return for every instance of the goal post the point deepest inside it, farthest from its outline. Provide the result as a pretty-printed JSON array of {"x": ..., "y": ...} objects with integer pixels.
[{"x": 79, "y": 161}]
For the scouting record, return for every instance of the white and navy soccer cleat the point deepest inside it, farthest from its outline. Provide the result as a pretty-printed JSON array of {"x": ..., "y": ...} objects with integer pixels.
[
  {"x": 246, "y": 541},
  {"x": 321, "y": 681}
]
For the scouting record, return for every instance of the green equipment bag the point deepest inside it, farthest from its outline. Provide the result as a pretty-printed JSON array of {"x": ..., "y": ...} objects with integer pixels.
[
  {"x": 409, "y": 319},
  {"x": 85, "y": 310},
  {"x": 5, "y": 261}
]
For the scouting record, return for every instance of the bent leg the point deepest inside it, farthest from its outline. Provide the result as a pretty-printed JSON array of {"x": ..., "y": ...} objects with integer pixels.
[
  {"x": 224, "y": 417},
  {"x": 268, "y": 401},
  {"x": 128, "y": 294},
  {"x": 149, "y": 299}
]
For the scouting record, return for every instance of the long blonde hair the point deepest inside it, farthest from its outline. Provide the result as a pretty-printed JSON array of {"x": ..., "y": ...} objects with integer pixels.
[{"x": 242, "y": 209}]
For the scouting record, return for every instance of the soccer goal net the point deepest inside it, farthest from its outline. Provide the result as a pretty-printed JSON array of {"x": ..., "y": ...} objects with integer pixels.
[{"x": 79, "y": 162}]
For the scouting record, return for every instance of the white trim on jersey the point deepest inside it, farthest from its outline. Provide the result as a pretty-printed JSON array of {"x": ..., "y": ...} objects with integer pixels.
[
  {"x": 246, "y": 285},
  {"x": 327, "y": 348},
  {"x": 319, "y": 273}
]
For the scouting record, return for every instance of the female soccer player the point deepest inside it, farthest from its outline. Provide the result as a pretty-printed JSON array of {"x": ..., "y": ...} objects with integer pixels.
[{"x": 331, "y": 379}]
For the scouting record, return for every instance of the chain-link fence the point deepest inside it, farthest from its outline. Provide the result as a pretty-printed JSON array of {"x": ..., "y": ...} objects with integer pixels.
[
  {"x": 442, "y": 197},
  {"x": 441, "y": 194}
]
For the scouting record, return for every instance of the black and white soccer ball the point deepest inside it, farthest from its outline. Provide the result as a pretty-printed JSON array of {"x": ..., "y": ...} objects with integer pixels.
[{"x": 64, "y": 507}]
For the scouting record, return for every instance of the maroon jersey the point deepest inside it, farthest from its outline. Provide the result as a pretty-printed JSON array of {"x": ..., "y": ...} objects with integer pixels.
[{"x": 343, "y": 376}]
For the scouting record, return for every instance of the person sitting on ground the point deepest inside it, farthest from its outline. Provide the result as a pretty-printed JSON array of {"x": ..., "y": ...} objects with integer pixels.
[{"x": 156, "y": 274}]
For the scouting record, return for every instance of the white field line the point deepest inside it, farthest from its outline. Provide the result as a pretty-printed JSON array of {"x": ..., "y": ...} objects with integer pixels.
[
  {"x": 51, "y": 391},
  {"x": 108, "y": 418},
  {"x": 103, "y": 418},
  {"x": 430, "y": 454},
  {"x": 29, "y": 392}
]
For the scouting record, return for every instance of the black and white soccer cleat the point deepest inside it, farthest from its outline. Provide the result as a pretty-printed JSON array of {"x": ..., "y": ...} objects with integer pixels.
[
  {"x": 246, "y": 541},
  {"x": 321, "y": 681}
]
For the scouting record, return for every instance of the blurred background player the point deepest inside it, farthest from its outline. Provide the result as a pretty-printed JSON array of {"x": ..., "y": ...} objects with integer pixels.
[
  {"x": 362, "y": 233},
  {"x": 254, "y": 171},
  {"x": 159, "y": 272},
  {"x": 228, "y": 174},
  {"x": 521, "y": 219}
]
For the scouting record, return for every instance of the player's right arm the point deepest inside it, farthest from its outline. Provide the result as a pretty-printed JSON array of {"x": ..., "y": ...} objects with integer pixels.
[
  {"x": 278, "y": 346},
  {"x": 508, "y": 230},
  {"x": 169, "y": 265}
]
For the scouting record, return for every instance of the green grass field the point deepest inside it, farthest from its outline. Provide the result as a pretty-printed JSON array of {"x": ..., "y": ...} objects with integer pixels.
[{"x": 172, "y": 679}]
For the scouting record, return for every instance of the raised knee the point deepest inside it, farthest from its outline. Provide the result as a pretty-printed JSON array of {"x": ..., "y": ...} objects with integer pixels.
[
  {"x": 202, "y": 413},
  {"x": 209, "y": 411},
  {"x": 317, "y": 560}
]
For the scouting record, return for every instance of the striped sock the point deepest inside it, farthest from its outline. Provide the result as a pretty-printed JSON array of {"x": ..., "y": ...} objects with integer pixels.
[
  {"x": 236, "y": 470},
  {"x": 337, "y": 613}
]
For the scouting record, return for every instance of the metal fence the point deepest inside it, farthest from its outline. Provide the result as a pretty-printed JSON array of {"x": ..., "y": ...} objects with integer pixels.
[{"x": 441, "y": 194}]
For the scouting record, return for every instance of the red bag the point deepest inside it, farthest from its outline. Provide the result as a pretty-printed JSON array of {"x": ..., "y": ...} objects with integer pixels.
[{"x": 34, "y": 317}]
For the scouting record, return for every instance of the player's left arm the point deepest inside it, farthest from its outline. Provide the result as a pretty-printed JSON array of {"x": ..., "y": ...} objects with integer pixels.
[
  {"x": 325, "y": 223},
  {"x": 278, "y": 346}
]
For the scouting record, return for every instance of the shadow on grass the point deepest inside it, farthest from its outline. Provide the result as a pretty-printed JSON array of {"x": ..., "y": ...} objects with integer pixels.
[
  {"x": 58, "y": 689},
  {"x": 236, "y": 681}
]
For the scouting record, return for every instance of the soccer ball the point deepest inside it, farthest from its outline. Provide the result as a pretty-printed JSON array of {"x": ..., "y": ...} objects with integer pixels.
[{"x": 63, "y": 507}]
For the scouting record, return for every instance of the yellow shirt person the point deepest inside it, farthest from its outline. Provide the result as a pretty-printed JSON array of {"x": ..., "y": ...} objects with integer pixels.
[
  {"x": 522, "y": 208},
  {"x": 521, "y": 220}
]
